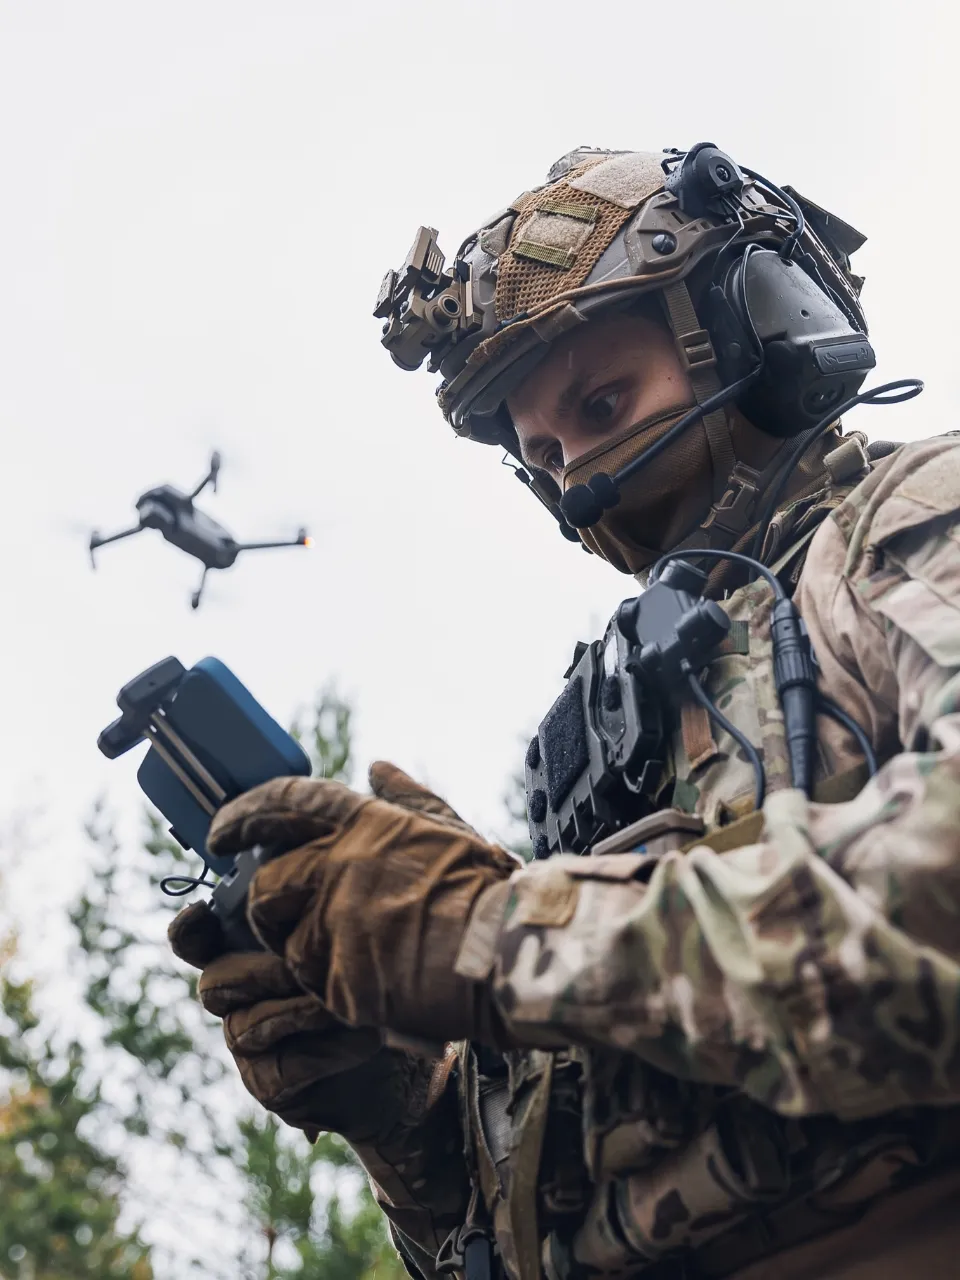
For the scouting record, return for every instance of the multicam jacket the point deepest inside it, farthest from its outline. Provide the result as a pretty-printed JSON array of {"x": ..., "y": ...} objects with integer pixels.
[{"x": 728, "y": 1051}]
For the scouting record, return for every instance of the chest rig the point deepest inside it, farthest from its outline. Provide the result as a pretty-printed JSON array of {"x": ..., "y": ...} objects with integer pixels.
[{"x": 590, "y": 1163}]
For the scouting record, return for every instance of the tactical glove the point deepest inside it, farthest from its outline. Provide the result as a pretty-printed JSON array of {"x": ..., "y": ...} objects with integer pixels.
[
  {"x": 368, "y": 913},
  {"x": 294, "y": 1057}
]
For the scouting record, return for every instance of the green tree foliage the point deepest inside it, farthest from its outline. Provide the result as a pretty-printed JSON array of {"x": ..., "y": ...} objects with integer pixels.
[
  {"x": 337, "y": 1235},
  {"x": 141, "y": 1116},
  {"x": 59, "y": 1191}
]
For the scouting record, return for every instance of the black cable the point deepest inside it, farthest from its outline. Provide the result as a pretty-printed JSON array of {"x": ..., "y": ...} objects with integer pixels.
[
  {"x": 709, "y": 553},
  {"x": 793, "y": 239},
  {"x": 744, "y": 304},
  {"x": 189, "y": 883},
  {"x": 794, "y": 671},
  {"x": 584, "y": 504},
  {"x": 826, "y": 706},
  {"x": 806, "y": 260},
  {"x": 907, "y": 388},
  {"x": 718, "y": 399},
  {"x": 749, "y": 750},
  {"x": 698, "y": 411}
]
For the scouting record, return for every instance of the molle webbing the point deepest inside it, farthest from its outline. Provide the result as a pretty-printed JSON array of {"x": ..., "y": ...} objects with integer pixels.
[{"x": 523, "y": 1199}]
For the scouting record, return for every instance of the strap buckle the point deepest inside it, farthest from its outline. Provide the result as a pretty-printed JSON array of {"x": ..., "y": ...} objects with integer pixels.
[
  {"x": 696, "y": 349},
  {"x": 731, "y": 513}
]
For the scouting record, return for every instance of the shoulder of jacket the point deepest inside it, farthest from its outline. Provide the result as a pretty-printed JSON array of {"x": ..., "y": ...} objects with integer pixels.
[{"x": 917, "y": 484}]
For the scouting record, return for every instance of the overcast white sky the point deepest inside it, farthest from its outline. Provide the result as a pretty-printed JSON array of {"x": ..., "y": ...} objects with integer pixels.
[{"x": 197, "y": 203}]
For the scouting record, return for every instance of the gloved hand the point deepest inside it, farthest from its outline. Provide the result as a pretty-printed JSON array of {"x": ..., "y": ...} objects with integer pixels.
[
  {"x": 294, "y": 1057},
  {"x": 368, "y": 913}
]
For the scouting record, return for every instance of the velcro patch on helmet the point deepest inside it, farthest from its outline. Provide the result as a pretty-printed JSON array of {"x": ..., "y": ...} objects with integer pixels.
[
  {"x": 547, "y": 253},
  {"x": 625, "y": 180},
  {"x": 567, "y": 209},
  {"x": 554, "y": 237}
]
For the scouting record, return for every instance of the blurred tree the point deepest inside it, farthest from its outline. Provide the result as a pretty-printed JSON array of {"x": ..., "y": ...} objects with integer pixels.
[
  {"x": 142, "y": 1111},
  {"x": 515, "y": 806},
  {"x": 60, "y": 1193},
  {"x": 337, "y": 1234}
]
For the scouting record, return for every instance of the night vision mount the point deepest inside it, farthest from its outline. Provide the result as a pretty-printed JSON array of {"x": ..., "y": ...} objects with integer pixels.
[{"x": 423, "y": 306}]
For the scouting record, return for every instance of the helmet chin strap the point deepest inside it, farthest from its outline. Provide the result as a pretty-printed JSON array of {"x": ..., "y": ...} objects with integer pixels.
[{"x": 700, "y": 365}]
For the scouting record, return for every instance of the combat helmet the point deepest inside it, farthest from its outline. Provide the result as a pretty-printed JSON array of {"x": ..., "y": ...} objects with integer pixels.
[{"x": 755, "y": 283}]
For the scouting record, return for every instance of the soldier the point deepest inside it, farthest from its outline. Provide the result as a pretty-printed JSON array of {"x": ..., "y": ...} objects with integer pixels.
[{"x": 741, "y": 1058}]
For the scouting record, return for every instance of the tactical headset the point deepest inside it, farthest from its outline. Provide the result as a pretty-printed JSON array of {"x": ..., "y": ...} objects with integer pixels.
[
  {"x": 792, "y": 351},
  {"x": 784, "y": 324}
]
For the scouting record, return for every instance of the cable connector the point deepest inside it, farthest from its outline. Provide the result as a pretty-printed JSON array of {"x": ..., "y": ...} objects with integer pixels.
[{"x": 795, "y": 676}]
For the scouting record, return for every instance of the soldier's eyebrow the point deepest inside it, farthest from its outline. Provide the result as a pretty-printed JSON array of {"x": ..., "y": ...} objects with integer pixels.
[{"x": 568, "y": 401}]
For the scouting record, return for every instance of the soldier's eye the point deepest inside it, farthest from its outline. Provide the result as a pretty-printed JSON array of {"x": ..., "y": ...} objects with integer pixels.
[
  {"x": 602, "y": 409},
  {"x": 553, "y": 458}
]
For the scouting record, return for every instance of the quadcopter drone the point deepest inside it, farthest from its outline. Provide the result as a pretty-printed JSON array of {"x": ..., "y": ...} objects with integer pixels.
[{"x": 179, "y": 521}]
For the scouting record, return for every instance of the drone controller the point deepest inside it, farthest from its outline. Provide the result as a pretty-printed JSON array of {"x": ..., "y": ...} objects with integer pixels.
[
  {"x": 210, "y": 740},
  {"x": 596, "y": 762}
]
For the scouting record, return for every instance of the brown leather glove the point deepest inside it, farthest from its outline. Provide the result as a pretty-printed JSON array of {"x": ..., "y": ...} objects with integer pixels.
[
  {"x": 294, "y": 1057},
  {"x": 369, "y": 913}
]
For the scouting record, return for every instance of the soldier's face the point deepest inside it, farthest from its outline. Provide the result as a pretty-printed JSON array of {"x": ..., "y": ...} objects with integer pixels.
[{"x": 595, "y": 383}]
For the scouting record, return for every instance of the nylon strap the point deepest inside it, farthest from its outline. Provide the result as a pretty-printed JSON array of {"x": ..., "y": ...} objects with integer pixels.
[
  {"x": 737, "y": 639},
  {"x": 696, "y": 731},
  {"x": 699, "y": 358},
  {"x": 781, "y": 562},
  {"x": 522, "y": 1195},
  {"x": 834, "y": 790}
]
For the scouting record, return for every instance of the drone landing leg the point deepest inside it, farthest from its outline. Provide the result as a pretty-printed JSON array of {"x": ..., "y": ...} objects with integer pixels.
[{"x": 195, "y": 598}]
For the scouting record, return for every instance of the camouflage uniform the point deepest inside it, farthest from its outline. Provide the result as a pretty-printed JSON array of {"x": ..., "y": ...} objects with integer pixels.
[
  {"x": 741, "y": 1051},
  {"x": 735, "y": 1055}
]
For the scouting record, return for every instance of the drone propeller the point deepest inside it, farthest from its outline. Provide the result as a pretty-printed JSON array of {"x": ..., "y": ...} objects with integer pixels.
[{"x": 210, "y": 478}]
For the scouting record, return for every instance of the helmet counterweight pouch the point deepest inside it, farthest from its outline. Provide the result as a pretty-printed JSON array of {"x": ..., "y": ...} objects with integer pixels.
[{"x": 813, "y": 357}]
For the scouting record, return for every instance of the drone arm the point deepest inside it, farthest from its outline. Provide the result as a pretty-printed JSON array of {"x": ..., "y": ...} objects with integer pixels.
[
  {"x": 301, "y": 540},
  {"x": 96, "y": 540}
]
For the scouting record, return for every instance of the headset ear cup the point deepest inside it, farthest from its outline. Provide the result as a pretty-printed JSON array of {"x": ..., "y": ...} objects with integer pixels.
[
  {"x": 812, "y": 357},
  {"x": 735, "y": 348}
]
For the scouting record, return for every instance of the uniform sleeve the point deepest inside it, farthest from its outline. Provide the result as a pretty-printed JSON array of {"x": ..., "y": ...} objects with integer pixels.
[
  {"x": 419, "y": 1179},
  {"x": 818, "y": 970}
]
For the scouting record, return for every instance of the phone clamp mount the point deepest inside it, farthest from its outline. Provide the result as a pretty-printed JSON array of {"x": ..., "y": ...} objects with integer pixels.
[{"x": 210, "y": 740}]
